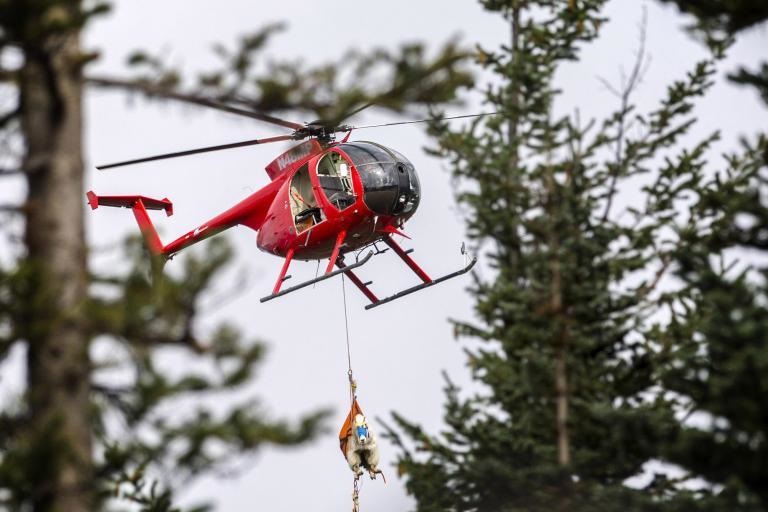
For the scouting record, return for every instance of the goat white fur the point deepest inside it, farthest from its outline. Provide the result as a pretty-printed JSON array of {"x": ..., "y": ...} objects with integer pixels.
[{"x": 362, "y": 451}]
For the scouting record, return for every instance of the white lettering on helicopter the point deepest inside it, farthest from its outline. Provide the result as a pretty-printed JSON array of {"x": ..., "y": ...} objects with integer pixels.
[{"x": 292, "y": 156}]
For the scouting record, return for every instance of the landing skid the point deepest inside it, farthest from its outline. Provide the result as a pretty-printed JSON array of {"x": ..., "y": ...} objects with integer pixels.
[
  {"x": 337, "y": 260},
  {"x": 323, "y": 277},
  {"x": 404, "y": 255},
  {"x": 418, "y": 287}
]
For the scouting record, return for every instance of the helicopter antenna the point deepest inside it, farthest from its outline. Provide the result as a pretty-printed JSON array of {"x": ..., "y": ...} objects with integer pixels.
[
  {"x": 481, "y": 114},
  {"x": 316, "y": 129}
]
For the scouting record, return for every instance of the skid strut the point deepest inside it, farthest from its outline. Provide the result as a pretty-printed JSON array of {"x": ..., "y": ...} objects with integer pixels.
[
  {"x": 357, "y": 281},
  {"x": 418, "y": 287},
  {"x": 323, "y": 277},
  {"x": 427, "y": 281}
]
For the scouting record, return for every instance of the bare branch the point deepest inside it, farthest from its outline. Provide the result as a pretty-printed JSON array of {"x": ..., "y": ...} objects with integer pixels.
[
  {"x": 111, "y": 390},
  {"x": 608, "y": 86},
  {"x": 628, "y": 86},
  {"x": 186, "y": 339},
  {"x": 9, "y": 116},
  {"x": 648, "y": 287},
  {"x": 237, "y": 289}
]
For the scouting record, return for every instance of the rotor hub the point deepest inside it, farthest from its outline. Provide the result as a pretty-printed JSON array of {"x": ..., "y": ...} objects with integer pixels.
[{"x": 324, "y": 133}]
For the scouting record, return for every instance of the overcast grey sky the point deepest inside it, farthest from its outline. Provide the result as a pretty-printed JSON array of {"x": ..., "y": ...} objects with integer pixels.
[{"x": 400, "y": 349}]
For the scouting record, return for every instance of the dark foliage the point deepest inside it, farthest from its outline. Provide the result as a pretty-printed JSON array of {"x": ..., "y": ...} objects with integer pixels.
[
  {"x": 98, "y": 425},
  {"x": 571, "y": 404}
]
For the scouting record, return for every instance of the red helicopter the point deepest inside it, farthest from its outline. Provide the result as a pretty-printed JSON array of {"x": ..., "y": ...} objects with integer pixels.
[{"x": 326, "y": 199}]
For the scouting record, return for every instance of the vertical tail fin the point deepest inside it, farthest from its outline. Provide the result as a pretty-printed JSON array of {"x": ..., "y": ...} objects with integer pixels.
[{"x": 148, "y": 231}]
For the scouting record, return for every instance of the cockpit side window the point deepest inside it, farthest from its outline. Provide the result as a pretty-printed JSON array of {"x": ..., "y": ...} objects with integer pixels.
[
  {"x": 334, "y": 172},
  {"x": 306, "y": 212}
]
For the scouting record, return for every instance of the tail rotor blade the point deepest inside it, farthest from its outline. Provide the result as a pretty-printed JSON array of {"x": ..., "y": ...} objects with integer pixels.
[{"x": 245, "y": 143}]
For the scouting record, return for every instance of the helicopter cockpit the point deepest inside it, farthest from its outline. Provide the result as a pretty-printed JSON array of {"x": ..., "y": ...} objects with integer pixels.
[{"x": 390, "y": 183}]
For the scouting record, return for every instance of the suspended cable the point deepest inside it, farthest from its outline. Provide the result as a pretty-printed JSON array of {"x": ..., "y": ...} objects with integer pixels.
[
  {"x": 346, "y": 324},
  {"x": 352, "y": 390},
  {"x": 356, "y": 495},
  {"x": 352, "y": 383}
]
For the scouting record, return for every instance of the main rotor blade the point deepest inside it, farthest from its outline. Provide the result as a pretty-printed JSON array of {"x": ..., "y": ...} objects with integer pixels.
[
  {"x": 207, "y": 149},
  {"x": 152, "y": 90}
]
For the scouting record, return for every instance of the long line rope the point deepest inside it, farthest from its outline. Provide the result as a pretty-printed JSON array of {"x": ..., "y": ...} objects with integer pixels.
[
  {"x": 352, "y": 390},
  {"x": 346, "y": 325},
  {"x": 352, "y": 383}
]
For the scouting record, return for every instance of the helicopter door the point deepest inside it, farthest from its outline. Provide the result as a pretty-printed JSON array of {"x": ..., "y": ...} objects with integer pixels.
[
  {"x": 334, "y": 172},
  {"x": 304, "y": 208}
]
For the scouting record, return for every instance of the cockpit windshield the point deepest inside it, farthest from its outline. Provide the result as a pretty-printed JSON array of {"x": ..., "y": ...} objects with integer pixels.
[{"x": 391, "y": 186}]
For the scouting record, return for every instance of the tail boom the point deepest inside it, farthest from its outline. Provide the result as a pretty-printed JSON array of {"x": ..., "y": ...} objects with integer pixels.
[{"x": 250, "y": 212}]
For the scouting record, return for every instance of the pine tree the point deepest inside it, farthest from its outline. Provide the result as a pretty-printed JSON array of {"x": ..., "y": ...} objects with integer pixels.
[
  {"x": 571, "y": 406},
  {"x": 716, "y": 343},
  {"x": 716, "y": 346},
  {"x": 75, "y": 439}
]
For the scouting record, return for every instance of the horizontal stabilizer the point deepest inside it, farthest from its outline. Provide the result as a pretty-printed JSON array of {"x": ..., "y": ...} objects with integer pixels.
[{"x": 130, "y": 201}]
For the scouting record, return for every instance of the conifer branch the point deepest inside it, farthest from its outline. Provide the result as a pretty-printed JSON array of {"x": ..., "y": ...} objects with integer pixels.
[
  {"x": 11, "y": 208},
  {"x": 648, "y": 287},
  {"x": 9, "y": 116},
  {"x": 186, "y": 339}
]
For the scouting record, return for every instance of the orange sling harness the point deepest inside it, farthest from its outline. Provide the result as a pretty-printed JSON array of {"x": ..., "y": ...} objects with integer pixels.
[{"x": 348, "y": 426}]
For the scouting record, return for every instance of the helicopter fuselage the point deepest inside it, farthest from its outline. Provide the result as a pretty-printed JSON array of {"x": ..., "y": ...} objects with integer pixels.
[{"x": 324, "y": 200}]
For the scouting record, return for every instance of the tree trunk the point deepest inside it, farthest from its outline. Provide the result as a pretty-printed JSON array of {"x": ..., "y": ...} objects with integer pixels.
[
  {"x": 512, "y": 176},
  {"x": 561, "y": 389},
  {"x": 561, "y": 375},
  {"x": 563, "y": 333},
  {"x": 58, "y": 363}
]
